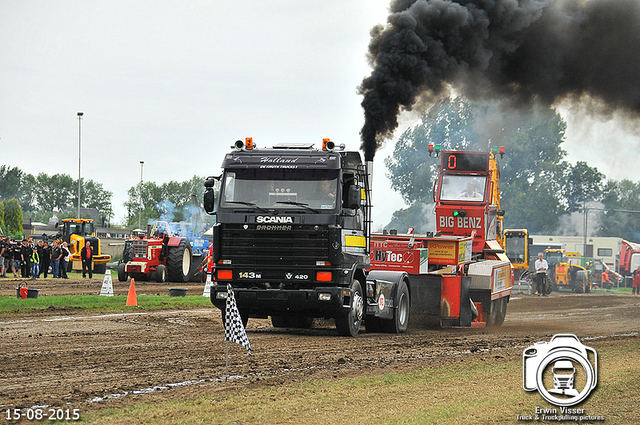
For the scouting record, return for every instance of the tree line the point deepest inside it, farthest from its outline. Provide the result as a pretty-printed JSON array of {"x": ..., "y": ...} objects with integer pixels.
[
  {"x": 23, "y": 194},
  {"x": 540, "y": 190}
]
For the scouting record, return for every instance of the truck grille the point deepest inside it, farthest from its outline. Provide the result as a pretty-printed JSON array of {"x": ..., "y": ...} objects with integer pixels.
[
  {"x": 140, "y": 249},
  {"x": 300, "y": 246}
]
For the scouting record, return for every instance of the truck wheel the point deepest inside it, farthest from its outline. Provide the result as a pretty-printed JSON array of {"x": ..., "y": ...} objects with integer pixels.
[
  {"x": 161, "y": 273},
  {"x": 122, "y": 274},
  {"x": 349, "y": 324},
  {"x": 179, "y": 262},
  {"x": 400, "y": 319}
]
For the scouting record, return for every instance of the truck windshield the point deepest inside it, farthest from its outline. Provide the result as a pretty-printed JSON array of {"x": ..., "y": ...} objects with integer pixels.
[
  {"x": 280, "y": 188},
  {"x": 462, "y": 188},
  {"x": 516, "y": 244}
]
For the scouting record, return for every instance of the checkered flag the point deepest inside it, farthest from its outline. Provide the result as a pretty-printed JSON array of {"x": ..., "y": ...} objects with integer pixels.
[{"x": 233, "y": 328}]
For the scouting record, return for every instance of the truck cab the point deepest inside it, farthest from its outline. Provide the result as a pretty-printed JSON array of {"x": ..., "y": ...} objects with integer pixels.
[{"x": 291, "y": 234}]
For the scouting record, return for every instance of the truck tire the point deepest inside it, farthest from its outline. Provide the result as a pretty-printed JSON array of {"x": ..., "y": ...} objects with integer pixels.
[
  {"x": 179, "y": 262},
  {"x": 400, "y": 320},
  {"x": 349, "y": 324},
  {"x": 161, "y": 273},
  {"x": 122, "y": 274}
]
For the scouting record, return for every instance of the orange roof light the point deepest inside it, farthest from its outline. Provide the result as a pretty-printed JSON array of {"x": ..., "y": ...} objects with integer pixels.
[
  {"x": 249, "y": 143},
  {"x": 327, "y": 145}
]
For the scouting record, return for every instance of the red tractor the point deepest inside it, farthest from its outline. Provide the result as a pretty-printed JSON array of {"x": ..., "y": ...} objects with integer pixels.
[{"x": 165, "y": 257}]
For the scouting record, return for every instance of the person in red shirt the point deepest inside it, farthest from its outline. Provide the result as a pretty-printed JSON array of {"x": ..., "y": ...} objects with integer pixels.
[
  {"x": 87, "y": 257},
  {"x": 636, "y": 282}
]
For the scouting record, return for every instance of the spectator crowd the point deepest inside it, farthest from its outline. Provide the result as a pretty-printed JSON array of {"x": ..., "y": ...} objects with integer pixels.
[{"x": 27, "y": 259}]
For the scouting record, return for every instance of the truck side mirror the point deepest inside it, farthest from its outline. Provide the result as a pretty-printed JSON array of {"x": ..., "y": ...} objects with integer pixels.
[
  {"x": 354, "y": 199},
  {"x": 209, "y": 200}
]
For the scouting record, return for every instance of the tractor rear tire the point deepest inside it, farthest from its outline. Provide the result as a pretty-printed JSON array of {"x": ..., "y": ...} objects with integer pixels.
[{"x": 179, "y": 262}]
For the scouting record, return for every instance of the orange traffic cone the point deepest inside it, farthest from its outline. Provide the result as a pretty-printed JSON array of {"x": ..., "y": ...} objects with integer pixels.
[{"x": 132, "y": 299}]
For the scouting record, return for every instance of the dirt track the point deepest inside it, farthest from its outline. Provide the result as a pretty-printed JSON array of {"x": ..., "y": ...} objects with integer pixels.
[{"x": 89, "y": 361}]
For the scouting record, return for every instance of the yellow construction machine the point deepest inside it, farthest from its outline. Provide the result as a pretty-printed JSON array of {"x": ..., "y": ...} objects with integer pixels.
[
  {"x": 76, "y": 233},
  {"x": 565, "y": 271}
]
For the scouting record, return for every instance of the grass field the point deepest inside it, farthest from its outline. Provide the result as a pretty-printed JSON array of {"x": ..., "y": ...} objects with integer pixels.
[{"x": 97, "y": 303}]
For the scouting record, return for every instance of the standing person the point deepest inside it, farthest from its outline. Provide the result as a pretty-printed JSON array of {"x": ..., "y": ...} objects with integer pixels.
[
  {"x": 606, "y": 283},
  {"x": 17, "y": 260},
  {"x": 2, "y": 251},
  {"x": 636, "y": 281},
  {"x": 35, "y": 263},
  {"x": 541, "y": 266},
  {"x": 56, "y": 256},
  {"x": 7, "y": 259},
  {"x": 87, "y": 257},
  {"x": 26, "y": 258},
  {"x": 64, "y": 261},
  {"x": 45, "y": 259}
]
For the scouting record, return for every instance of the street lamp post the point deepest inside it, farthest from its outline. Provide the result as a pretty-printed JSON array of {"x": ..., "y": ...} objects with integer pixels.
[
  {"x": 80, "y": 114},
  {"x": 140, "y": 194}
]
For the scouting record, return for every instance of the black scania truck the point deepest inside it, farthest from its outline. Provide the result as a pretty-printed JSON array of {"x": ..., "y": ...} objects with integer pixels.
[{"x": 292, "y": 234}]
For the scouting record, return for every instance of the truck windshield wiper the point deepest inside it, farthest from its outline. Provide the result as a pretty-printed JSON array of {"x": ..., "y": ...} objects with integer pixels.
[
  {"x": 299, "y": 204},
  {"x": 250, "y": 204}
]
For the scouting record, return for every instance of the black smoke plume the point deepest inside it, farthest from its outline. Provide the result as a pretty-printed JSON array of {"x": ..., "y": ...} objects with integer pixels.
[{"x": 519, "y": 52}]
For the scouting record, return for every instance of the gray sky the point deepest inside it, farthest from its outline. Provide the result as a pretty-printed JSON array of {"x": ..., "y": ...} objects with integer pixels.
[{"x": 175, "y": 83}]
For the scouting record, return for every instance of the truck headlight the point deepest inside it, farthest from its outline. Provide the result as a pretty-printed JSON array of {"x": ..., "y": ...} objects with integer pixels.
[
  {"x": 221, "y": 295},
  {"x": 324, "y": 296}
]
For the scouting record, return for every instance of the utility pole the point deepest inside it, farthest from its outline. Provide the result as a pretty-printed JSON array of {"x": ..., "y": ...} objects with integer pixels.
[
  {"x": 140, "y": 193},
  {"x": 80, "y": 114}
]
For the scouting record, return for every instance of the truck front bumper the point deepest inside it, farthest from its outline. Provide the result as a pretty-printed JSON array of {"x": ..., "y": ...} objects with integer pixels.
[{"x": 318, "y": 302}]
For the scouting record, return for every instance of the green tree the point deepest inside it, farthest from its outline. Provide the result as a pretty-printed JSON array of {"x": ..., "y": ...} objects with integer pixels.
[
  {"x": 95, "y": 196},
  {"x": 2, "y": 226},
  {"x": 10, "y": 182},
  {"x": 13, "y": 218},
  {"x": 171, "y": 201},
  {"x": 58, "y": 190},
  {"x": 448, "y": 123},
  {"x": 532, "y": 172},
  {"x": 141, "y": 205},
  {"x": 621, "y": 201},
  {"x": 582, "y": 184}
]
